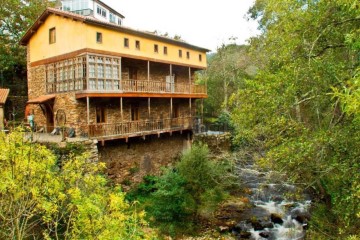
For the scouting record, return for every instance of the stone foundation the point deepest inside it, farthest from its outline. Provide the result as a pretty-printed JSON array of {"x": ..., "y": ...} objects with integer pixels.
[
  {"x": 217, "y": 143},
  {"x": 128, "y": 163}
]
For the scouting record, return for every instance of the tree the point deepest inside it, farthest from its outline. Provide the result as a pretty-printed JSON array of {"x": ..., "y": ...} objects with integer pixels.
[
  {"x": 41, "y": 198},
  {"x": 16, "y": 16},
  {"x": 228, "y": 67},
  {"x": 302, "y": 107}
]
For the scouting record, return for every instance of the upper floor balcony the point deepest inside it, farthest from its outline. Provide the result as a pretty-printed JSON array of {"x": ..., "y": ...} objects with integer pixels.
[{"x": 101, "y": 76}]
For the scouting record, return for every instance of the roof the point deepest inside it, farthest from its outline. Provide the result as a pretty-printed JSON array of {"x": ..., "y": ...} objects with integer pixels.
[
  {"x": 93, "y": 21},
  {"x": 4, "y": 92},
  {"x": 42, "y": 98}
]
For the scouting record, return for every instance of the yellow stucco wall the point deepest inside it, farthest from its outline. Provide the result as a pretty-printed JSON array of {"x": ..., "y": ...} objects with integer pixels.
[
  {"x": 73, "y": 35},
  {"x": 69, "y": 38}
]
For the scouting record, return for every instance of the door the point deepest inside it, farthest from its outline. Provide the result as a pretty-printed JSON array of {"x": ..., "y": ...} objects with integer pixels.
[
  {"x": 133, "y": 78},
  {"x": 49, "y": 118},
  {"x": 170, "y": 83}
]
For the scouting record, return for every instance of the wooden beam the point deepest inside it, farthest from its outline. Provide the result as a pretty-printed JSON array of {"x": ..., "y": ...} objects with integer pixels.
[
  {"x": 88, "y": 110},
  {"x": 190, "y": 107},
  {"x": 202, "y": 111},
  {"x": 148, "y": 70},
  {"x": 120, "y": 72},
  {"x": 171, "y": 108}
]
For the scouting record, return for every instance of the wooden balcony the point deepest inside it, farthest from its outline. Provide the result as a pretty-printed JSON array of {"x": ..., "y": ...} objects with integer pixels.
[
  {"x": 127, "y": 88},
  {"x": 108, "y": 131}
]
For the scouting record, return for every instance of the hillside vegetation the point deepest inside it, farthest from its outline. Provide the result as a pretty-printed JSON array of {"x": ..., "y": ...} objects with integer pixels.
[{"x": 301, "y": 109}]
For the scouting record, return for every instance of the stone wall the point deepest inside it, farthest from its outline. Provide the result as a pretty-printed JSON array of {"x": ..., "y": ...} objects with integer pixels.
[
  {"x": 128, "y": 163},
  {"x": 217, "y": 143}
]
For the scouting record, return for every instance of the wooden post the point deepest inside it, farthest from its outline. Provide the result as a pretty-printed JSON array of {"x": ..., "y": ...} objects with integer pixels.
[
  {"x": 171, "y": 108},
  {"x": 87, "y": 110},
  {"x": 170, "y": 69},
  {"x": 120, "y": 74},
  {"x": 189, "y": 79},
  {"x": 202, "y": 111},
  {"x": 190, "y": 107},
  {"x": 149, "y": 108},
  {"x": 121, "y": 115},
  {"x": 148, "y": 70}
]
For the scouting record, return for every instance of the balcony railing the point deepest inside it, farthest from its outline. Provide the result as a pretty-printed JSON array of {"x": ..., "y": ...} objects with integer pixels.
[
  {"x": 124, "y": 86},
  {"x": 139, "y": 128}
]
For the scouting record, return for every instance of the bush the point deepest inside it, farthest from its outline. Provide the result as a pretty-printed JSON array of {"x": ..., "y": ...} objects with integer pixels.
[
  {"x": 41, "y": 200},
  {"x": 196, "y": 185}
]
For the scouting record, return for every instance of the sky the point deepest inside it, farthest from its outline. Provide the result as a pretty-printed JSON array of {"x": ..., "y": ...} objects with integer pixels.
[{"x": 204, "y": 23}]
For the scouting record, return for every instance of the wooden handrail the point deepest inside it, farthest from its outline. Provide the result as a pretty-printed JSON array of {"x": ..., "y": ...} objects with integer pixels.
[
  {"x": 131, "y": 86},
  {"x": 138, "y": 128}
]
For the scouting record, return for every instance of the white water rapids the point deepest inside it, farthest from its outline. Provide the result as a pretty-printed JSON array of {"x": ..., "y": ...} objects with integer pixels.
[{"x": 275, "y": 214}]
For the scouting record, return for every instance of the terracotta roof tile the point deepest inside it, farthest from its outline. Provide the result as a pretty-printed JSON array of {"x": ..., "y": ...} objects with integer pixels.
[{"x": 4, "y": 92}]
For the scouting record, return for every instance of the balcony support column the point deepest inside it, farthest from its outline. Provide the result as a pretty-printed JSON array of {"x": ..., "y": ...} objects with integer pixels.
[
  {"x": 202, "y": 111},
  {"x": 149, "y": 108},
  {"x": 171, "y": 108},
  {"x": 121, "y": 109},
  {"x": 87, "y": 110},
  {"x": 170, "y": 69},
  {"x": 120, "y": 74},
  {"x": 189, "y": 79},
  {"x": 190, "y": 113},
  {"x": 148, "y": 70},
  {"x": 121, "y": 115}
]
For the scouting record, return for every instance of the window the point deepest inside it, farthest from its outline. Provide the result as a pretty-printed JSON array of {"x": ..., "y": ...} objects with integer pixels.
[
  {"x": 101, "y": 11},
  {"x": 119, "y": 21},
  {"x": 180, "y": 53},
  {"x": 156, "y": 48},
  {"x": 165, "y": 50},
  {"x": 126, "y": 42},
  {"x": 100, "y": 114},
  {"x": 52, "y": 35},
  {"x": 200, "y": 57},
  {"x": 112, "y": 18},
  {"x": 98, "y": 37},
  {"x": 188, "y": 55},
  {"x": 137, "y": 44}
]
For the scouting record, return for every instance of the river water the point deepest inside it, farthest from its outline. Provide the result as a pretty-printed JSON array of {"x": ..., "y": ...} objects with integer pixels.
[{"x": 276, "y": 214}]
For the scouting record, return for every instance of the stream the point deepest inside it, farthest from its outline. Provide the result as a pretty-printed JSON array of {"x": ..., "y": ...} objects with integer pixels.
[{"x": 275, "y": 214}]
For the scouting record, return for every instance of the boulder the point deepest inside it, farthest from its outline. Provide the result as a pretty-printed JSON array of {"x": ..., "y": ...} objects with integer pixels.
[
  {"x": 276, "y": 218},
  {"x": 264, "y": 234}
]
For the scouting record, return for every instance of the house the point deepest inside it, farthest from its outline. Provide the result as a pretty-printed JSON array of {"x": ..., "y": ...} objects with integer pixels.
[
  {"x": 93, "y": 8},
  {"x": 128, "y": 88}
]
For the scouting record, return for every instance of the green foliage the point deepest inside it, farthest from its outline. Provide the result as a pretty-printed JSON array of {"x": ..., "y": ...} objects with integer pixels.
[
  {"x": 225, "y": 75},
  {"x": 175, "y": 200},
  {"x": 172, "y": 203},
  {"x": 143, "y": 190},
  {"x": 302, "y": 108},
  {"x": 41, "y": 200},
  {"x": 16, "y": 16}
]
